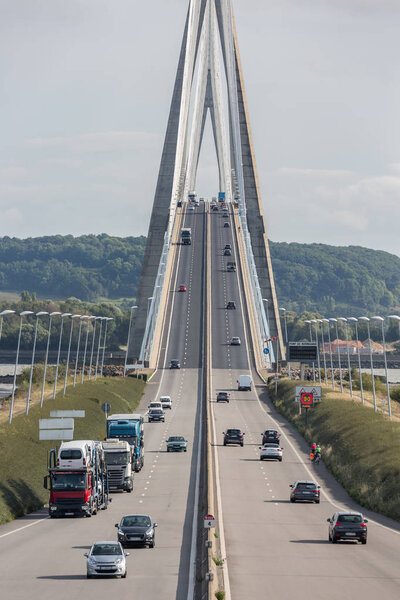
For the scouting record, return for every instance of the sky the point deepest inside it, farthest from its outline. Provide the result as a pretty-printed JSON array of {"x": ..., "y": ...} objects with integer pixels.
[{"x": 85, "y": 90}]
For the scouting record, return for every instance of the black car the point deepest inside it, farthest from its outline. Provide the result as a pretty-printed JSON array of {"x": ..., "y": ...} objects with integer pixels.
[
  {"x": 233, "y": 436},
  {"x": 227, "y": 224},
  {"x": 228, "y": 247},
  {"x": 136, "y": 529},
  {"x": 223, "y": 397},
  {"x": 270, "y": 436},
  {"x": 305, "y": 490},
  {"x": 179, "y": 204},
  {"x": 231, "y": 305},
  {"x": 227, "y": 252},
  {"x": 174, "y": 364},
  {"x": 156, "y": 414},
  {"x": 347, "y": 526}
]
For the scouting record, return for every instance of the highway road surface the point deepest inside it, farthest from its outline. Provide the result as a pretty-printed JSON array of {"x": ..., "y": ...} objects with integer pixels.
[
  {"x": 276, "y": 549},
  {"x": 42, "y": 558}
]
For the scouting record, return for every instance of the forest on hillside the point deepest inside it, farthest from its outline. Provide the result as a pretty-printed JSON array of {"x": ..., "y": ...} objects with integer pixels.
[{"x": 308, "y": 277}]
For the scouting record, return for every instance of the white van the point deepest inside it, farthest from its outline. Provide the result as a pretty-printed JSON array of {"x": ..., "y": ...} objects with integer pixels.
[
  {"x": 76, "y": 454},
  {"x": 244, "y": 383}
]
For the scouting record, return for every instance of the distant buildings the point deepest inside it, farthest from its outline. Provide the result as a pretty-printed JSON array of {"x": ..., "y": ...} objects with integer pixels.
[{"x": 341, "y": 347}]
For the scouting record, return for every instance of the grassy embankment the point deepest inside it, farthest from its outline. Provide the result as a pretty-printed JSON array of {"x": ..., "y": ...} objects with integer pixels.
[
  {"x": 359, "y": 447},
  {"x": 23, "y": 458}
]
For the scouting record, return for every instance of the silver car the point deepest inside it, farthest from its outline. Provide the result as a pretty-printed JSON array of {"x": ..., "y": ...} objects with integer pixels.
[{"x": 105, "y": 559}]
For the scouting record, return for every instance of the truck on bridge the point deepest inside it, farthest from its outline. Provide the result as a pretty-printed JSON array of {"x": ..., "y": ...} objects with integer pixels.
[
  {"x": 128, "y": 428},
  {"x": 77, "y": 490},
  {"x": 186, "y": 236},
  {"x": 119, "y": 458}
]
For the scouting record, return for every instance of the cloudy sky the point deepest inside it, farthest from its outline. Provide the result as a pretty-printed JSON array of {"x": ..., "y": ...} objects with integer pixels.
[{"x": 85, "y": 87}]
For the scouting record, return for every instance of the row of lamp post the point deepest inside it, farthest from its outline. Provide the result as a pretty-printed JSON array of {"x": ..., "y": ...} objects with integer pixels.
[
  {"x": 99, "y": 358},
  {"x": 345, "y": 322}
]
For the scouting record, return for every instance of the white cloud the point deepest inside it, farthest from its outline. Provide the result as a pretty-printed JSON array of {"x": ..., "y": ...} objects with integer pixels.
[
  {"x": 97, "y": 142},
  {"x": 340, "y": 173}
]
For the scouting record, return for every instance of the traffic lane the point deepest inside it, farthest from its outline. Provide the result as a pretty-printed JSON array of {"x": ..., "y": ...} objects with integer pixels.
[
  {"x": 54, "y": 553},
  {"x": 186, "y": 324},
  {"x": 224, "y": 288},
  {"x": 276, "y": 530}
]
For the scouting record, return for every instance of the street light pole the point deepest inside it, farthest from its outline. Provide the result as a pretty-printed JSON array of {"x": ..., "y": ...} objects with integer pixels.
[
  {"x": 28, "y": 398},
  {"x": 69, "y": 350},
  {"x": 104, "y": 346},
  {"x": 129, "y": 337},
  {"x": 98, "y": 346},
  {"x": 338, "y": 353},
  {"x": 78, "y": 346},
  {"x": 286, "y": 336},
  {"x": 2, "y": 315},
  {"x": 355, "y": 321},
  {"x": 86, "y": 342},
  {"x": 382, "y": 321},
  {"x": 53, "y": 314},
  {"x": 313, "y": 365},
  {"x": 21, "y": 317},
  {"x": 59, "y": 350},
  {"x": 344, "y": 320},
  {"x": 91, "y": 351},
  {"x": 316, "y": 339},
  {"x": 371, "y": 360},
  {"x": 323, "y": 346},
  {"x": 330, "y": 352}
]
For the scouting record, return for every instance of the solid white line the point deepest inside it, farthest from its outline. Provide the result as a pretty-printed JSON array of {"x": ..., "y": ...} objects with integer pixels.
[{"x": 24, "y": 527}]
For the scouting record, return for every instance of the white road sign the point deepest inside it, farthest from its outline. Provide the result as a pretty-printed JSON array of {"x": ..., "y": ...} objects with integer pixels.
[
  {"x": 56, "y": 424},
  {"x": 315, "y": 390},
  {"x": 74, "y": 414},
  {"x": 56, "y": 434}
]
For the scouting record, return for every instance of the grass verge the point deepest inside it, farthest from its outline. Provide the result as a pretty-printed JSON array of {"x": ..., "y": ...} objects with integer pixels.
[
  {"x": 360, "y": 448},
  {"x": 24, "y": 459}
]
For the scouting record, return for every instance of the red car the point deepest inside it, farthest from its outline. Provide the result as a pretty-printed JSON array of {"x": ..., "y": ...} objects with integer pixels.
[{"x": 182, "y": 288}]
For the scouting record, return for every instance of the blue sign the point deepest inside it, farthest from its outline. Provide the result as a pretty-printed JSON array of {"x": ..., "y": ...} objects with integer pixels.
[{"x": 266, "y": 350}]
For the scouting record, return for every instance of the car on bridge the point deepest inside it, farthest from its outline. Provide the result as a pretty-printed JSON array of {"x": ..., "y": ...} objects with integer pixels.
[
  {"x": 227, "y": 252},
  {"x": 270, "y": 436},
  {"x": 176, "y": 443},
  {"x": 166, "y": 402},
  {"x": 233, "y": 436},
  {"x": 106, "y": 559},
  {"x": 305, "y": 490},
  {"x": 347, "y": 526},
  {"x": 174, "y": 364},
  {"x": 156, "y": 415},
  {"x": 235, "y": 341},
  {"x": 273, "y": 451},
  {"x": 228, "y": 247},
  {"x": 223, "y": 397},
  {"x": 231, "y": 305},
  {"x": 182, "y": 288},
  {"x": 227, "y": 224},
  {"x": 136, "y": 530}
]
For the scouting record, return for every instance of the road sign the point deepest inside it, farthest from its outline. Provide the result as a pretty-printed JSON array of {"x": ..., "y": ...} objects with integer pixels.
[
  {"x": 302, "y": 352},
  {"x": 306, "y": 399},
  {"x": 209, "y": 521},
  {"x": 266, "y": 350},
  {"x": 276, "y": 377},
  {"x": 56, "y": 424},
  {"x": 314, "y": 390},
  {"x": 74, "y": 414},
  {"x": 56, "y": 434},
  {"x": 106, "y": 407}
]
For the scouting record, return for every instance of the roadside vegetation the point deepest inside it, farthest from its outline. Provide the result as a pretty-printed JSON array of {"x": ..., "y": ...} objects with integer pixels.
[
  {"x": 24, "y": 458},
  {"x": 360, "y": 448}
]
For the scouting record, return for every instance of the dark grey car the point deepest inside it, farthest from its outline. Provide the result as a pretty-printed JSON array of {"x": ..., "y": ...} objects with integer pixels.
[
  {"x": 156, "y": 414},
  {"x": 305, "y": 490},
  {"x": 136, "y": 529},
  {"x": 347, "y": 526}
]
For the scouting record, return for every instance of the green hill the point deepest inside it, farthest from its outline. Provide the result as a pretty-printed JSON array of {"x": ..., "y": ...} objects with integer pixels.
[{"x": 308, "y": 277}]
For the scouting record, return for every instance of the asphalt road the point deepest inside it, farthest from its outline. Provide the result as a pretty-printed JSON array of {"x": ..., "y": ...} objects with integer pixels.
[
  {"x": 43, "y": 558},
  {"x": 274, "y": 548}
]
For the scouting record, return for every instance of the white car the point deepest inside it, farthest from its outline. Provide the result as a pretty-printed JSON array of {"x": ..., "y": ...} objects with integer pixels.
[
  {"x": 155, "y": 404},
  {"x": 166, "y": 402},
  {"x": 106, "y": 559},
  {"x": 270, "y": 450}
]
